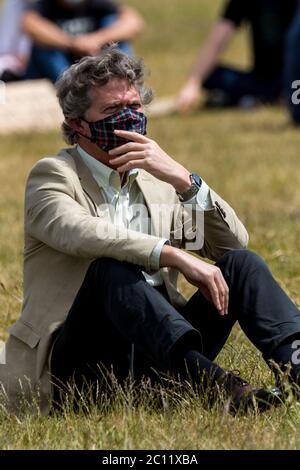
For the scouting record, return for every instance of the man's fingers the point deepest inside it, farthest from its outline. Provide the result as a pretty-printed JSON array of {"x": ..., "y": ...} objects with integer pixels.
[
  {"x": 219, "y": 291},
  {"x": 125, "y": 148},
  {"x": 127, "y": 158},
  {"x": 130, "y": 165},
  {"x": 215, "y": 295},
  {"x": 223, "y": 292},
  {"x": 135, "y": 136},
  {"x": 226, "y": 298}
]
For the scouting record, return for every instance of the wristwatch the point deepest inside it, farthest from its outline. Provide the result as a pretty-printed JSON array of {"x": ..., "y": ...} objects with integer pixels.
[{"x": 189, "y": 193}]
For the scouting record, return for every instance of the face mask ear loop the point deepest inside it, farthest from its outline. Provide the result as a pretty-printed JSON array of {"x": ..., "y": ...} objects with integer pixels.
[{"x": 91, "y": 139}]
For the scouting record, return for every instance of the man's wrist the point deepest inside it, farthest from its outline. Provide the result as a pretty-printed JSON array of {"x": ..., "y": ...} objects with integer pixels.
[
  {"x": 192, "y": 191},
  {"x": 171, "y": 257},
  {"x": 182, "y": 182}
]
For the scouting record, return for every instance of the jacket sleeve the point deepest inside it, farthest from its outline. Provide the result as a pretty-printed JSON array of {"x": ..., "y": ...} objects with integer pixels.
[
  {"x": 218, "y": 229},
  {"x": 55, "y": 218}
]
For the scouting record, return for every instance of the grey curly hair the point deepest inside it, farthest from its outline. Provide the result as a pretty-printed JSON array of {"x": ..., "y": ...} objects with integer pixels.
[{"x": 73, "y": 87}]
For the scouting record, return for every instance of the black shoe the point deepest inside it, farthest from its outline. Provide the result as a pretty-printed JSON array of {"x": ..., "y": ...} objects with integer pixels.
[{"x": 239, "y": 395}]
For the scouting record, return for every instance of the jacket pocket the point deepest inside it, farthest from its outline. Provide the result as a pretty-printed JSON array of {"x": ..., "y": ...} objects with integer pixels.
[{"x": 25, "y": 333}]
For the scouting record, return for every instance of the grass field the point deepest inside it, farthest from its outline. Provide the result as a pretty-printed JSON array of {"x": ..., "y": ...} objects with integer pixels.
[{"x": 251, "y": 159}]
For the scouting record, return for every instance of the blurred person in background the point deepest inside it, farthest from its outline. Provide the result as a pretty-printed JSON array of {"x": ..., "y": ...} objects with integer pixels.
[
  {"x": 292, "y": 69},
  {"x": 269, "y": 21},
  {"x": 63, "y": 31},
  {"x": 14, "y": 44}
]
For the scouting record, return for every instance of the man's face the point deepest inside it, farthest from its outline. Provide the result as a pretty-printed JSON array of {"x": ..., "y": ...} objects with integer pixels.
[
  {"x": 111, "y": 98},
  {"x": 106, "y": 100}
]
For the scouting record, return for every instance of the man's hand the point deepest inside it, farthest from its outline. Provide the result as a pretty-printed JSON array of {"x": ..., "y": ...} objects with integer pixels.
[
  {"x": 188, "y": 97},
  {"x": 207, "y": 277},
  {"x": 208, "y": 57},
  {"x": 86, "y": 44},
  {"x": 147, "y": 154}
]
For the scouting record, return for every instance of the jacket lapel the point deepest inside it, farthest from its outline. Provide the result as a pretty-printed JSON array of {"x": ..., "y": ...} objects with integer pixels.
[
  {"x": 148, "y": 187},
  {"x": 86, "y": 179},
  {"x": 146, "y": 184}
]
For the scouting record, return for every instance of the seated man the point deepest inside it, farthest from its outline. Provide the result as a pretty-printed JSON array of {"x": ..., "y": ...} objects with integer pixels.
[
  {"x": 269, "y": 21},
  {"x": 105, "y": 224},
  {"x": 65, "y": 30},
  {"x": 14, "y": 44}
]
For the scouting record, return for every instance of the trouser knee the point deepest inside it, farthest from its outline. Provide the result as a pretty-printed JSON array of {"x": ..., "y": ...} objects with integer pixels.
[{"x": 240, "y": 260}]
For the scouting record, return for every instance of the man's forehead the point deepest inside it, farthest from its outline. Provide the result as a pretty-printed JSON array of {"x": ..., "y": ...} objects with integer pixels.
[{"x": 115, "y": 90}]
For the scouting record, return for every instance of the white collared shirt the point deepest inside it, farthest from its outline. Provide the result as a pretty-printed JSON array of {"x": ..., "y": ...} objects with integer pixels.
[{"x": 121, "y": 200}]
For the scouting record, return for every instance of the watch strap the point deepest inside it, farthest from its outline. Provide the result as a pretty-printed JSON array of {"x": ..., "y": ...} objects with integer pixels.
[{"x": 193, "y": 190}]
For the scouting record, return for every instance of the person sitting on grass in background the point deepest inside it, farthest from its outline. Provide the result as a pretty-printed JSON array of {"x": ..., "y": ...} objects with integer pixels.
[
  {"x": 106, "y": 224},
  {"x": 15, "y": 46},
  {"x": 62, "y": 31},
  {"x": 269, "y": 21}
]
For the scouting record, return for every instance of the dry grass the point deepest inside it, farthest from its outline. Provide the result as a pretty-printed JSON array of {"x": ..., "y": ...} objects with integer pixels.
[{"x": 251, "y": 159}]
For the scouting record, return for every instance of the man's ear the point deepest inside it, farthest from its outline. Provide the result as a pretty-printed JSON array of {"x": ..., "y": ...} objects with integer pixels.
[{"x": 79, "y": 126}]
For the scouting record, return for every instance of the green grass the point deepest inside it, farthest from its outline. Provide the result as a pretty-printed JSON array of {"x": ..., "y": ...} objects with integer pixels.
[{"x": 252, "y": 160}]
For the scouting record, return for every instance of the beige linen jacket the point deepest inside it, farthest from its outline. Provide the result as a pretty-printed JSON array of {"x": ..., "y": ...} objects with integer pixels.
[{"x": 63, "y": 235}]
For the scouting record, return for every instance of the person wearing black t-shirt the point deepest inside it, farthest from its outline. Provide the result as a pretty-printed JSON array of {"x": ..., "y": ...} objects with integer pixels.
[
  {"x": 269, "y": 21},
  {"x": 66, "y": 30}
]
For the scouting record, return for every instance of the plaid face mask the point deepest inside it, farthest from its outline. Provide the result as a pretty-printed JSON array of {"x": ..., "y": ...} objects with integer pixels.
[{"x": 103, "y": 131}]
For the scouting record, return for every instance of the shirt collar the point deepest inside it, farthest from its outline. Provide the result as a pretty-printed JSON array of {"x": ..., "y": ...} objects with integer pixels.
[{"x": 103, "y": 174}]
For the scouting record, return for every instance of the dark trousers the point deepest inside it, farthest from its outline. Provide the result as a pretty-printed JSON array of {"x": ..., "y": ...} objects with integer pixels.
[
  {"x": 236, "y": 85},
  {"x": 116, "y": 308}
]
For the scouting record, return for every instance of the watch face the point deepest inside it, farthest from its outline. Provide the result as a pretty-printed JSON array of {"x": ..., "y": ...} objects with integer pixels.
[{"x": 196, "y": 179}]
